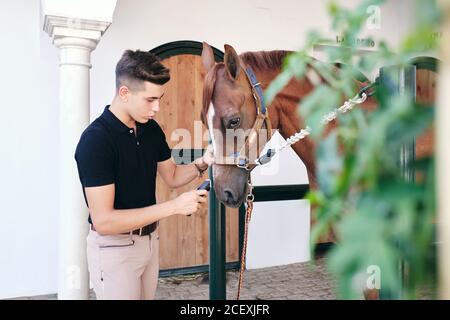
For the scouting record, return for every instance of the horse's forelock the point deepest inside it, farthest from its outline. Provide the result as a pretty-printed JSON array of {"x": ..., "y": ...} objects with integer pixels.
[{"x": 208, "y": 90}]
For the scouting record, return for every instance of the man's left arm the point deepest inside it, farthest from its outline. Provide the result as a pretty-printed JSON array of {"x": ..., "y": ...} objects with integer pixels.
[{"x": 178, "y": 175}]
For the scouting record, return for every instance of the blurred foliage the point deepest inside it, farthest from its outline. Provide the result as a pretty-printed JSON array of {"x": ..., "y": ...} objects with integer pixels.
[{"x": 379, "y": 218}]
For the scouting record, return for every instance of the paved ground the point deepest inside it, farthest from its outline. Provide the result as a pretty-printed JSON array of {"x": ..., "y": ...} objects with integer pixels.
[
  {"x": 299, "y": 281},
  {"x": 291, "y": 282}
]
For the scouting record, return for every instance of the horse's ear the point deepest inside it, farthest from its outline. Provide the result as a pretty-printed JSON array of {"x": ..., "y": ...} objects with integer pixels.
[
  {"x": 232, "y": 63},
  {"x": 207, "y": 57}
]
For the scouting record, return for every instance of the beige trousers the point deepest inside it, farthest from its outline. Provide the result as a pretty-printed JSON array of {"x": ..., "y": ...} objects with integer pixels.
[{"x": 123, "y": 267}]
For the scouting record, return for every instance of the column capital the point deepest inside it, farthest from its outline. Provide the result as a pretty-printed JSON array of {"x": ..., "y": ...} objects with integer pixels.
[
  {"x": 85, "y": 19},
  {"x": 61, "y": 27}
]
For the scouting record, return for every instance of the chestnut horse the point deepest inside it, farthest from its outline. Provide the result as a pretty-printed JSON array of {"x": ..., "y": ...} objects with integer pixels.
[{"x": 228, "y": 104}]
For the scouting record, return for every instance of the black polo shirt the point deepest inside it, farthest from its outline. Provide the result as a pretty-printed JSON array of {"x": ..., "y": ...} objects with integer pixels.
[{"x": 110, "y": 152}]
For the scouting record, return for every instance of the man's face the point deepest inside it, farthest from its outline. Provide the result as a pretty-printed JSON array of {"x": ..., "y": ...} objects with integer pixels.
[{"x": 144, "y": 104}]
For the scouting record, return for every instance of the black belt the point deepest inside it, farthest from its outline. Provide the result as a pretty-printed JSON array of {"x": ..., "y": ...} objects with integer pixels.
[{"x": 144, "y": 231}]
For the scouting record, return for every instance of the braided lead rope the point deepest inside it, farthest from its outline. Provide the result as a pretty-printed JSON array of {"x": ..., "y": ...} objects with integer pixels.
[
  {"x": 295, "y": 138},
  {"x": 348, "y": 106},
  {"x": 303, "y": 133},
  {"x": 248, "y": 217}
]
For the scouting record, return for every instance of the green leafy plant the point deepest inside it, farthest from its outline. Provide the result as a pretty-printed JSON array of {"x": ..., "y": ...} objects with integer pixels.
[{"x": 381, "y": 216}]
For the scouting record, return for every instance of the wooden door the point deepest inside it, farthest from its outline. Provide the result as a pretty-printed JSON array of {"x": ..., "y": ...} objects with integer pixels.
[{"x": 184, "y": 240}]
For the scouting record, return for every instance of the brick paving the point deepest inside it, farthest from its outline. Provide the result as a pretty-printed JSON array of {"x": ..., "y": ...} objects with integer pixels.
[{"x": 297, "y": 281}]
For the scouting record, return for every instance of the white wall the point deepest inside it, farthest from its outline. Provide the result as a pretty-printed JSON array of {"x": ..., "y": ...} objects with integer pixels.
[
  {"x": 279, "y": 230},
  {"x": 29, "y": 154},
  {"x": 29, "y": 140}
]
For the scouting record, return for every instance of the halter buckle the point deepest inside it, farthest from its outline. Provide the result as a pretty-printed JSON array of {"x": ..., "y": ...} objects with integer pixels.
[
  {"x": 242, "y": 162},
  {"x": 250, "y": 195}
]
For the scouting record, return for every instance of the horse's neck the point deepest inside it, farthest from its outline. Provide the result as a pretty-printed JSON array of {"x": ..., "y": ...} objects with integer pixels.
[
  {"x": 283, "y": 109},
  {"x": 284, "y": 117},
  {"x": 283, "y": 113}
]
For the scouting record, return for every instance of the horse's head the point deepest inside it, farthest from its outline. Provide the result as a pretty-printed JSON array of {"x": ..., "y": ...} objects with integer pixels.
[{"x": 229, "y": 112}]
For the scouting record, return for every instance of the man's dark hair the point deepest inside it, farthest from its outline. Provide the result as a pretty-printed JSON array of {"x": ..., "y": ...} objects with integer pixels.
[{"x": 134, "y": 67}]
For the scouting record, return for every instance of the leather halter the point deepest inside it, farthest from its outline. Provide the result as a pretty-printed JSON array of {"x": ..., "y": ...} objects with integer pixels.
[{"x": 240, "y": 158}]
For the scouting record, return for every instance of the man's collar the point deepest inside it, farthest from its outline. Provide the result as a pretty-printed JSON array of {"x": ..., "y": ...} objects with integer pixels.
[
  {"x": 113, "y": 121},
  {"x": 117, "y": 125}
]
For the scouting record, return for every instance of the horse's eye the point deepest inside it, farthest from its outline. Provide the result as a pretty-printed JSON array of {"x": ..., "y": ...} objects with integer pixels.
[{"x": 233, "y": 123}]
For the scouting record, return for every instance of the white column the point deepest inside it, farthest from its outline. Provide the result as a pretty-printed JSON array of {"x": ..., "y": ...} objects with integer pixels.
[
  {"x": 73, "y": 280},
  {"x": 443, "y": 158},
  {"x": 75, "y": 38}
]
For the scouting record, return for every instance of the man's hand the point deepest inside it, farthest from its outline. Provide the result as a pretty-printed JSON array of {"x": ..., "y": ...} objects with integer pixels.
[
  {"x": 208, "y": 156},
  {"x": 205, "y": 161},
  {"x": 189, "y": 202}
]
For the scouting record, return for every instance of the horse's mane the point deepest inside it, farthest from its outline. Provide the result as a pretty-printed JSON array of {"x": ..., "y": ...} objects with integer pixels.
[
  {"x": 260, "y": 60},
  {"x": 264, "y": 60}
]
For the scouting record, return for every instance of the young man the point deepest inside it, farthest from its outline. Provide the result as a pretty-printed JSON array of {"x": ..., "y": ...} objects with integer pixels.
[{"x": 118, "y": 157}]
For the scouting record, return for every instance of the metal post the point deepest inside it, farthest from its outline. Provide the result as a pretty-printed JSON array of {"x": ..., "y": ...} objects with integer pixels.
[
  {"x": 217, "y": 246},
  {"x": 401, "y": 80}
]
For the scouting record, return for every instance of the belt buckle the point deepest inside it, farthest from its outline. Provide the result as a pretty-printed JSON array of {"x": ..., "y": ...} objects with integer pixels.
[
  {"x": 140, "y": 232},
  {"x": 132, "y": 232}
]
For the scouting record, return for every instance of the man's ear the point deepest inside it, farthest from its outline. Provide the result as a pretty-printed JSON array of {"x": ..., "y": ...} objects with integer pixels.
[
  {"x": 123, "y": 93},
  {"x": 207, "y": 57},
  {"x": 232, "y": 62}
]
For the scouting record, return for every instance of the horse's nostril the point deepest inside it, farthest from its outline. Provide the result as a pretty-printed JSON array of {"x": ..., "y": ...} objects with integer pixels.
[{"x": 229, "y": 195}]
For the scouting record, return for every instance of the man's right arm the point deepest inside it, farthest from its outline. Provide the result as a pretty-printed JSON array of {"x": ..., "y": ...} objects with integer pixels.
[{"x": 108, "y": 220}]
